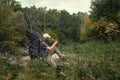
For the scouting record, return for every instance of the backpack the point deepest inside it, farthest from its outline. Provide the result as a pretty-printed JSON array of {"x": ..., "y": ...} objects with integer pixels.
[{"x": 34, "y": 45}]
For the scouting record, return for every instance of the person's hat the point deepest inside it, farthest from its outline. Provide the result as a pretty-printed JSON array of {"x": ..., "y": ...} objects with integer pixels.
[{"x": 46, "y": 35}]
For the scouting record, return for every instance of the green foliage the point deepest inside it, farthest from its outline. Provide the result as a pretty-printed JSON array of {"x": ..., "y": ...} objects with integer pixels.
[
  {"x": 106, "y": 9},
  {"x": 35, "y": 18},
  {"x": 94, "y": 60},
  {"x": 63, "y": 24},
  {"x": 35, "y": 70},
  {"x": 90, "y": 60},
  {"x": 8, "y": 46},
  {"x": 52, "y": 19},
  {"x": 102, "y": 30},
  {"x": 9, "y": 36},
  {"x": 69, "y": 26},
  {"x": 84, "y": 30},
  {"x": 7, "y": 70},
  {"x": 99, "y": 30},
  {"x": 5, "y": 22},
  {"x": 19, "y": 22},
  {"x": 13, "y": 4}
]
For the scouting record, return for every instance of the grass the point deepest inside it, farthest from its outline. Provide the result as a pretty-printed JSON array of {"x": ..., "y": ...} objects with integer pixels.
[
  {"x": 88, "y": 61},
  {"x": 95, "y": 60},
  {"x": 8, "y": 71}
]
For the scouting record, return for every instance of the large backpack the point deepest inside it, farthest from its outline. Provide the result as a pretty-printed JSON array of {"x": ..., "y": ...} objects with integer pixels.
[{"x": 34, "y": 45}]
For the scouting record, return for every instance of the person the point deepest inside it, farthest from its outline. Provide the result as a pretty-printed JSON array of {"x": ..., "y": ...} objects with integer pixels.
[
  {"x": 48, "y": 50},
  {"x": 49, "y": 40}
]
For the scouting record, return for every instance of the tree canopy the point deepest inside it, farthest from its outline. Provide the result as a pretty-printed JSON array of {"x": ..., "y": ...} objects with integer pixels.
[{"x": 16, "y": 22}]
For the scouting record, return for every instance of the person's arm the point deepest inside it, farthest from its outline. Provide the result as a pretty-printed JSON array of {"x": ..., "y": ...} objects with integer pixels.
[{"x": 52, "y": 46}]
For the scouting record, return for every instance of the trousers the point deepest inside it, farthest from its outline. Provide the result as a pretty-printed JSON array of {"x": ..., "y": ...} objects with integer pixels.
[{"x": 48, "y": 59}]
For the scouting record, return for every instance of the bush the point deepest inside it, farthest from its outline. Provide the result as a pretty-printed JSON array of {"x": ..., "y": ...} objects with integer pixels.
[
  {"x": 36, "y": 70},
  {"x": 103, "y": 30},
  {"x": 7, "y": 70},
  {"x": 84, "y": 32},
  {"x": 87, "y": 61},
  {"x": 94, "y": 60},
  {"x": 8, "y": 46}
]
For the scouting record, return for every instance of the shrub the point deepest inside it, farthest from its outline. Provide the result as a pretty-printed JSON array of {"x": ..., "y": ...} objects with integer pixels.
[
  {"x": 103, "y": 30},
  {"x": 93, "y": 61},
  {"x": 8, "y": 71}
]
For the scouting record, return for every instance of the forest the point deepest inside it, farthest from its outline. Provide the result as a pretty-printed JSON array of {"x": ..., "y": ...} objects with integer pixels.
[{"x": 91, "y": 41}]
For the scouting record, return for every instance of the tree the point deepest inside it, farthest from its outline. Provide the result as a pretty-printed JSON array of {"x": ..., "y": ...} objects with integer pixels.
[
  {"x": 9, "y": 37},
  {"x": 19, "y": 22},
  {"x": 52, "y": 19},
  {"x": 85, "y": 28},
  {"x": 108, "y": 10},
  {"x": 34, "y": 18},
  {"x": 60, "y": 24},
  {"x": 75, "y": 25},
  {"x": 15, "y": 5},
  {"x": 70, "y": 25},
  {"x": 64, "y": 20}
]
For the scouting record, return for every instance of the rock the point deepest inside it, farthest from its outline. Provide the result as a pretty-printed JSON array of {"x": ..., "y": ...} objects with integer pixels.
[
  {"x": 24, "y": 60},
  {"x": 12, "y": 60},
  {"x": 55, "y": 57}
]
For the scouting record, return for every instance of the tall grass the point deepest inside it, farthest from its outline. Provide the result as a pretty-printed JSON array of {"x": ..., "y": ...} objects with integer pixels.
[
  {"x": 95, "y": 61},
  {"x": 8, "y": 71},
  {"x": 87, "y": 61}
]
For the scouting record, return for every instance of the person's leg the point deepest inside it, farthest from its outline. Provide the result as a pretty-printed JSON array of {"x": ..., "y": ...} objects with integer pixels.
[
  {"x": 57, "y": 51},
  {"x": 51, "y": 62},
  {"x": 56, "y": 70}
]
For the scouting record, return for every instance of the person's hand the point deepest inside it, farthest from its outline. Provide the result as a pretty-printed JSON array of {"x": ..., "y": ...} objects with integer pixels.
[
  {"x": 52, "y": 46},
  {"x": 56, "y": 42}
]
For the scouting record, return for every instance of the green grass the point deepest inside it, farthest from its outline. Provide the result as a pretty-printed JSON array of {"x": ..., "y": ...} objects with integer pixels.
[
  {"x": 7, "y": 69},
  {"x": 95, "y": 60},
  {"x": 91, "y": 61}
]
